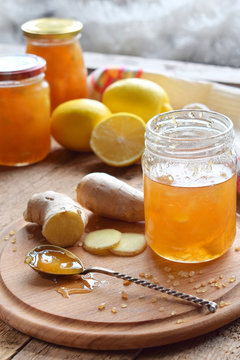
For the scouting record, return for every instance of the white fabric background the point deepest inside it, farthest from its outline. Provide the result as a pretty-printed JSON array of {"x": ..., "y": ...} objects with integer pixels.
[{"x": 190, "y": 30}]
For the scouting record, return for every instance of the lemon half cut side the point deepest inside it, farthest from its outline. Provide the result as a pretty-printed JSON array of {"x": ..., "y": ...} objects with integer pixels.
[{"x": 118, "y": 140}]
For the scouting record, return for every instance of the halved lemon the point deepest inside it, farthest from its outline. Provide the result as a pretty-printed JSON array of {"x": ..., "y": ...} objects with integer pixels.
[{"x": 118, "y": 140}]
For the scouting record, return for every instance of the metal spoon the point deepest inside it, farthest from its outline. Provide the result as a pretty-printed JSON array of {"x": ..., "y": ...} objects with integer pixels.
[{"x": 54, "y": 260}]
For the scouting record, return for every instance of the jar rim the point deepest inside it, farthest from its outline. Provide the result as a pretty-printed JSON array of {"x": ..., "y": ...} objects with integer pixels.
[
  {"x": 189, "y": 133},
  {"x": 51, "y": 27},
  {"x": 19, "y": 67},
  {"x": 192, "y": 115}
]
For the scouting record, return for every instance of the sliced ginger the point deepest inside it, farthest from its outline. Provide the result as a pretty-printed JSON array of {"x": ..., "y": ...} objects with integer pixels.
[
  {"x": 131, "y": 244},
  {"x": 100, "y": 241}
]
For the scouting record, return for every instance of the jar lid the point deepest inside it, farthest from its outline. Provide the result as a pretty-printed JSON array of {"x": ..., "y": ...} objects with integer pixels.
[
  {"x": 19, "y": 67},
  {"x": 51, "y": 28}
]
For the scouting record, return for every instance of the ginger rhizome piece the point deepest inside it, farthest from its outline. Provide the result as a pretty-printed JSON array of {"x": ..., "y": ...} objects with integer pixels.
[
  {"x": 63, "y": 220},
  {"x": 110, "y": 197}
]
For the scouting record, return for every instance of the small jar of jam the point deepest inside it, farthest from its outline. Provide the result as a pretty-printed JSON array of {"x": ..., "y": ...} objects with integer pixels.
[
  {"x": 57, "y": 41},
  {"x": 189, "y": 170},
  {"x": 24, "y": 110}
]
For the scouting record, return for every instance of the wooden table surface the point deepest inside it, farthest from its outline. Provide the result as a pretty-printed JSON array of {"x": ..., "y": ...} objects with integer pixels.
[{"x": 17, "y": 184}]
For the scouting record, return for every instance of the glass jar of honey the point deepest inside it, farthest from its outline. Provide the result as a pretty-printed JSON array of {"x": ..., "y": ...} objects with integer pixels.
[
  {"x": 24, "y": 110},
  {"x": 190, "y": 185},
  {"x": 57, "y": 41}
]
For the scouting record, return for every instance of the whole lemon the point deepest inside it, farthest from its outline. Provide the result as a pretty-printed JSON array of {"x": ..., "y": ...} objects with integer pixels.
[
  {"x": 73, "y": 121},
  {"x": 138, "y": 96}
]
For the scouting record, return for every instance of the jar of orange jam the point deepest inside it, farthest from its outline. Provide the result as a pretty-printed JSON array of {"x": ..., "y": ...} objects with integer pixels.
[
  {"x": 190, "y": 185},
  {"x": 57, "y": 41},
  {"x": 24, "y": 110}
]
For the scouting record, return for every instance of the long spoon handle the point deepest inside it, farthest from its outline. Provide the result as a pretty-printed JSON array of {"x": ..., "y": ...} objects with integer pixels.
[{"x": 212, "y": 306}]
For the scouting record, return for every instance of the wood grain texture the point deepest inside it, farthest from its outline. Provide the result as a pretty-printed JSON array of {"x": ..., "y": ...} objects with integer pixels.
[
  {"x": 221, "y": 344},
  {"x": 59, "y": 168},
  {"x": 31, "y": 304},
  {"x": 39, "y": 350},
  {"x": 11, "y": 341},
  {"x": 17, "y": 184}
]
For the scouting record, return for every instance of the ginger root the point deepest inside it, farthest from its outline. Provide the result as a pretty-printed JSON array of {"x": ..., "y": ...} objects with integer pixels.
[
  {"x": 63, "y": 220},
  {"x": 110, "y": 197}
]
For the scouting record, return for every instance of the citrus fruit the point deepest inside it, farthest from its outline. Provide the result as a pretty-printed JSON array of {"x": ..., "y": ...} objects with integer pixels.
[
  {"x": 73, "y": 121},
  {"x": 138, "y": 96},
  {"x": 119, "y": 139}
]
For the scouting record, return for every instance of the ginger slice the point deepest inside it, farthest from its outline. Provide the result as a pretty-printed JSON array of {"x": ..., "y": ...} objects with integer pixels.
[
  {"x": 130, "y": 244},
  {"x": 100, "y": 241}
]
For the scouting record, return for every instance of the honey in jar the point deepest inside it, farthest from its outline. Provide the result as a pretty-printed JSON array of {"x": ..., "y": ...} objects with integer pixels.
[
  {"x": 57, "y": 41},
  {"x": 24, "y": 110},
  {"x": 190, "y": 185}
]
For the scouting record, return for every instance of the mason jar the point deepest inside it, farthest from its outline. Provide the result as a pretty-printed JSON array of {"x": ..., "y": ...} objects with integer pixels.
[
  {"x": 24, "y": 110},
  {"x": 57, "y": 41},
  {"x": 189, "y": 168}
]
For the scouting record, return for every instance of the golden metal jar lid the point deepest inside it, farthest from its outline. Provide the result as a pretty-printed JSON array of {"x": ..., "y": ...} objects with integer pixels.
[{"x": 51, "y": 28}]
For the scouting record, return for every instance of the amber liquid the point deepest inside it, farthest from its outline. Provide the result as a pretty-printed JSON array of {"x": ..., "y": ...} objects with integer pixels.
[
  {"x": 65, "y": 72},
  {"x": 76, "y": 285},
  {"x": 191, "y": 223},
  {"x": 53, "y": 261},
  {"x": 57, "y": 263},
  {"x": 24, "y": 123}
]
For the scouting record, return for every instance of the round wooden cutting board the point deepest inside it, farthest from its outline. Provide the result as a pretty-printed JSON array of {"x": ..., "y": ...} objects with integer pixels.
[{"x": 31, "y": 304}]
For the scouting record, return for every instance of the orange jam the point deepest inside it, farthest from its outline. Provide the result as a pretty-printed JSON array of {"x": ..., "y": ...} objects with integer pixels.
[
  {"x": 57, "y": 41},
  {"x": 24, "y": 110},
  {"x": 190, "y": 224},
  {"x": 189, "y": 167}
]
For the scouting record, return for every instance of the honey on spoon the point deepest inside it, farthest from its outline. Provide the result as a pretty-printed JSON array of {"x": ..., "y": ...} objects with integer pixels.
[{"x": 54, "y": 260}]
